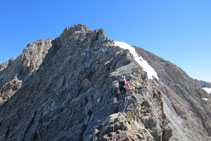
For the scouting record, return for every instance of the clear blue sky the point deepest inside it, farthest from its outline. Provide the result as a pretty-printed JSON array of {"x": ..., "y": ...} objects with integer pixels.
[{"x": 176, "y": 30}]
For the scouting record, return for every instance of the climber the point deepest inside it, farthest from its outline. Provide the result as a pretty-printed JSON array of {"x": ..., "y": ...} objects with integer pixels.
[{"x": 123, "y": 86}]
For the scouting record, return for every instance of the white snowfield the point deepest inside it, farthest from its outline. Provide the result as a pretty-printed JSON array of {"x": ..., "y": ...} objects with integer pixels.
[
  {"x": 205, "y": 99},
  {"x": 143, "y": 63},
  {"x": 208, "y": 90}
]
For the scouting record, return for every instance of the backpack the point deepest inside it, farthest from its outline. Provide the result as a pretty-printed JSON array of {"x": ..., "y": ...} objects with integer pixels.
[{"x": 121, "y": 82}]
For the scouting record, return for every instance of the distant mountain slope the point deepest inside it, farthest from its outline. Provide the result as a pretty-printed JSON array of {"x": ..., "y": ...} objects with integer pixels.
[
  {"x": 203, "y": 83},
  {"x": 66, "y": 89},
  {"x": 185, "y": 97}
]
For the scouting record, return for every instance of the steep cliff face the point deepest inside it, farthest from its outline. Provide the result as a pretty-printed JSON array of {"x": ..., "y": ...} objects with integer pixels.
[{"x": 68, "y": 91}]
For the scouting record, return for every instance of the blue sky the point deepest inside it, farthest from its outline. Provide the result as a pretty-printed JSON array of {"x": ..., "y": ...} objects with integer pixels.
[{"x": 176, "y": 30}]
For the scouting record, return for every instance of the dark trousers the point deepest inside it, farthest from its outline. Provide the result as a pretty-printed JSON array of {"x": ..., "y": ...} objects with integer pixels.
[{"x": 123, "y": 93}]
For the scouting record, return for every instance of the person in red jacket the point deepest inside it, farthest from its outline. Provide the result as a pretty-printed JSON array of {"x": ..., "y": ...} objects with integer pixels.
[{"x": 123, "y": 86}]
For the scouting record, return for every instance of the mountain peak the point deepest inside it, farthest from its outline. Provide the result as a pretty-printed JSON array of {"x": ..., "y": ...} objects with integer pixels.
[
  {"x": 68, "y": 89},
  {"x": 76, "y": 28}
]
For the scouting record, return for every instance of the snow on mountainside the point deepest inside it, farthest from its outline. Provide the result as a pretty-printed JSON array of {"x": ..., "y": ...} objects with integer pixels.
[
  {"x": 204, "y": 85},
  {"x": 143, "y": 63},
  {"x": 184, "y": 100},
  {"x": 208, "y": 90}
]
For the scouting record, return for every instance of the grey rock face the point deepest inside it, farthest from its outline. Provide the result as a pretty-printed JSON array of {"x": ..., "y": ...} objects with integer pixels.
[
  {"x": 188, "y": 113},
  {"x": 68, "y": 91},
  {"x": 14, "y": 71}
]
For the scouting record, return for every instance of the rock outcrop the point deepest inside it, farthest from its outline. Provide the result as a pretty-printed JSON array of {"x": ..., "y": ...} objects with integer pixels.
[{"x": 65, "y": 89}]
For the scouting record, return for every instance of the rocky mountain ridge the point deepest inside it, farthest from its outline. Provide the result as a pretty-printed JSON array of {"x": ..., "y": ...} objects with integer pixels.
[
  {"x": 64, "y": 89},
  {"x": 203, "y": 83},
  {"x": 186, "y": 101},
  {"x": 14, "y": 71}
]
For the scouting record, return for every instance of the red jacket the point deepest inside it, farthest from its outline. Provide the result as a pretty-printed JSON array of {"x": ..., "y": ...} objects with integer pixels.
[{"x": 127, "y": 84}]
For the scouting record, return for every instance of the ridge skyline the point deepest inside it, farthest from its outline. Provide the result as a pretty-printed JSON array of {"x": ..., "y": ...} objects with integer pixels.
[{"x": 179, "y": 36}]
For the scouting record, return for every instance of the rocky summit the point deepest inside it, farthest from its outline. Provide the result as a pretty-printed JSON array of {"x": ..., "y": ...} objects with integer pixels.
[{"x": 66, "y": 89}]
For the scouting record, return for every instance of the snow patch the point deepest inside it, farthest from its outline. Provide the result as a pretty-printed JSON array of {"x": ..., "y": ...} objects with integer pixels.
[
  {"x": 208, "y": 90},
  {"x": 143, "y": 63},
  {"x": 205, "y": 99}
]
